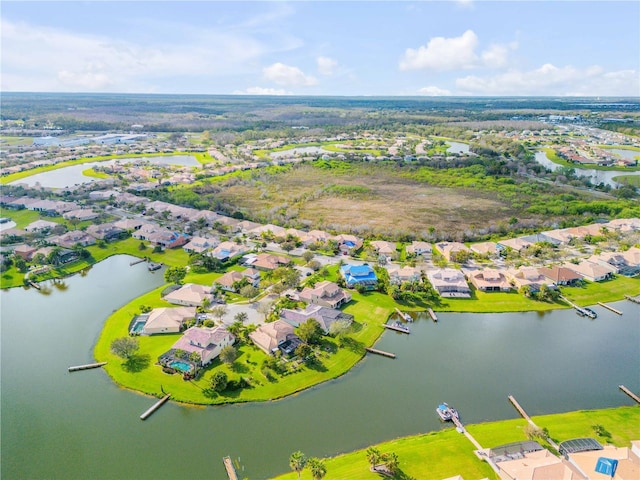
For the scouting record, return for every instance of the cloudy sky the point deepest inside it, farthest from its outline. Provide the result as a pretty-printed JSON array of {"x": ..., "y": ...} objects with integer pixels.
[{"x": 467, "y": 47}]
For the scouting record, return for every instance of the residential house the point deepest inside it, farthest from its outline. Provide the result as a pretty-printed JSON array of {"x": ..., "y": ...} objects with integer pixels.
[
  {"x": 490, "y": 249},
  {"x": 40, "y": 226},
  {"x": 73, "y": 238},
  {"x": 206, "y": 342},
  {"x": 266, "y": 261},
  {"x": 168, "y": 239},
  {"x": 489, "y": 280},
  {"x": 130, "y": 224},
  {"x": 347, "y": 244},
  {"x": 106, "y": 231},
  {"x": 24, "y": 251},
  {"x": 232, "y": 278},
  {"x": 387, "y": 249},
  {"x": 98, "y": 195},
  {"x": 227, "y": 250},
  {"x": 560, "y": 275},
  {"x": 167, "y": 320},
  {"x": 562, "y": 235},
  {"x": 449, "y": 283},
  {"x": 528, "y": 277},
  {"x": 326, "y": 294},
  {"x": 537, "y": 465},
  {"x": 359, "y": 275},
  {"x": 319, "y": 235},
  {"x": 200, "y": 244},
  {"x": 81, "y": 214},
  {"x": 627, "y": 458},
  {"x": 324, "y": 315},
  {"x": 246, "y": 226},
  {"x": 270, "y": 337},
  {"x": 541, "y": 238},
  {"x": 419, "y": 248},
  {"x": 190, "y": 295},
  {"x": 613, "y": 260},
  {"x": 449, "y": 250},
  {"x": 399, "y": 275},
  {"x": 267, "y": 231},
  {"x": 516, "y": 244},
  {"x": 590, "y": 271}
]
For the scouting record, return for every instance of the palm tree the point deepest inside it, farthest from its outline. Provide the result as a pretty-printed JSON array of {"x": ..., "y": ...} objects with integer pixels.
[
  {"x": 373, "y": 457},
  {"x": 241, "y": 317},
  {"x": 317, "y": 467},
  {"x": 297, "y": 462}
]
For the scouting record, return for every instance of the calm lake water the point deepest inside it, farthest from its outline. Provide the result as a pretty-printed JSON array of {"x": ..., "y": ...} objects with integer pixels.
[
  {"x": 596, "y": 176},
  {"x": 60, "y": 425},
  {"x": 457, "y": 147},
  {"x": 71, "y": 176}
]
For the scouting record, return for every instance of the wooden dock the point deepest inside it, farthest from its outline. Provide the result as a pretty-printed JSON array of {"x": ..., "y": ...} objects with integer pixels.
[
  {"x": 630, "y": 393},
  {"x": 87, "y": 366},
  {"x": 432, "y": 314},
  {"x": 34, "y": 285},
  {"x": 405, "y": 316},
  {"x": 397, "y": 329},
  {"x": 380, "y": 352},
  {"x": 635, "y": 299},
  {"x": 155, "y": 407},
  {"x": 520, "y": 410},
  {"x": 135, "y": 262},
  {"x": 231, "y": 471},
  {"x": 608, "y": 307}
]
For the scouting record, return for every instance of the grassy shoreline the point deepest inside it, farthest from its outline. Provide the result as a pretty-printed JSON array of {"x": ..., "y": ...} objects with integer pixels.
[
  {"x": 555, "y": 158},
  {"x": 446, "y": 453}
]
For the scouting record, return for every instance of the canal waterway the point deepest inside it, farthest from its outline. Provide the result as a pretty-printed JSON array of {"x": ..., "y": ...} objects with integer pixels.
[
  {"x": 61, "y": 425},
  {"x": 596, "y": 176},
  {"x": 72, "y": 175}
]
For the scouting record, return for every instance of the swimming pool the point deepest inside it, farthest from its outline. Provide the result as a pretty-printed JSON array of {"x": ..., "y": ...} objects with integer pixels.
[
  {"x": 182, "y": 366},
  {"x": 137, "y": 327}
]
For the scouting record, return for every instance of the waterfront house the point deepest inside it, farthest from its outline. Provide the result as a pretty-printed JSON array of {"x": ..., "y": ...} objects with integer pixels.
[
  {"x": 449, "y": 283},
  {"x": 190, "y": 295},
  {"x": 590, "y": 271},
  {"x": 206, "y": 342},
  {"x": 25, "y": 251},
  {"x": 73, "y": 238},
  {"x": 324, "y": 315},
  {"x": 560, "y": 275},
  {"x": 106, "y": 232},
  {"x": 273, "y": 336},
  {"x": 326, "y": 294},
  {"x": 489, "y": 280},
  {"x": 528, "y": 277},
  {"x": 359, "y": 275},
  {"x": 167, "y": 320}
]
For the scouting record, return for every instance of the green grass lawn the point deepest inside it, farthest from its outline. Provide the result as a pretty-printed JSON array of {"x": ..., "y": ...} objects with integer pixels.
[
  {"x": 628, "y": 180},
  {"x": 447, "y": 453},
  {"x": 607, "y": 291}
]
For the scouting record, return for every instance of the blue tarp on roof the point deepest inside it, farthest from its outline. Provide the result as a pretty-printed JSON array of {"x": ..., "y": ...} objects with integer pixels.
[{"x": 607, "y": 466}]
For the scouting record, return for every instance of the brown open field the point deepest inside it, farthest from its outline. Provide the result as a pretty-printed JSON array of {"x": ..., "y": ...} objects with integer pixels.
[{"x": 371, "y": 200}]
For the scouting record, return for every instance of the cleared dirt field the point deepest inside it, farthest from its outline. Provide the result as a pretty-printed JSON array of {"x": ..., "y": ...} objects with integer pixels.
[{"x": 369, "y": 200}]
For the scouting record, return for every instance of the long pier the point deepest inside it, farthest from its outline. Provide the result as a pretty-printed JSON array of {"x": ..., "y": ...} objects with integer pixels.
[
  {"x": 524, "y": 414},
  {"x": 135, "y": 262},
  {"x": 87, "y": 366},
  {"x": 231, "y": 471},
  {"x": 397, "y": 329},
  {"x": 630, "y": 393},
  {"x": 608, "y": 307},
  {"x": 155, "y": 407},
  {"x": 432, "y": 314},
  {"x": 635, "y": 299},
  {"x": 579, "y": 309},
  {"x": 34, "y": 285},
  {"x": 380, "y": 352}
]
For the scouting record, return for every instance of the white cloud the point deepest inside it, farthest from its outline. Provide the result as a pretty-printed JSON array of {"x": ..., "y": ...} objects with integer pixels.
[
  {"x": 262, "y": 91},
  {"x": 443, "y": 54},
  {"x": 326, "y": 65},
  {"x": 457, "y": 53},
  {"x": 552, "y": 80},
  {"x": 36, "y": 58},
  {"x": 287, "y": 75},
  {"x": 433, "y": 91}
]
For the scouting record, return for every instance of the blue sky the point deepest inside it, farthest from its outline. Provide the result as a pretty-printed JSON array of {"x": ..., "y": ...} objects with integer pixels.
[{"x": 466, "y": 47}]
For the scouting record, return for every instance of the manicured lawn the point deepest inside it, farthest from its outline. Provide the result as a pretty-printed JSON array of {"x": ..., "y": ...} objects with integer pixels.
[
  {"x": 491, "y": 302},
  {"x": 11, "y": 278},
  {"x": 90, "y": 172},
  {"x": 371, "y": 310},
  {"x": 628, "y": 180},
  {"x": 447, "y": 453},
  {"x": 607, "y": 291},
  {"x": 25, "y": 217}
]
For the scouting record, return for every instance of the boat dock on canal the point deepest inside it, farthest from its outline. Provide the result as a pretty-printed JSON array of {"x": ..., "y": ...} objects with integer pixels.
[
  {"x": 582, "y": 311},
  {"x": 228, "y": 465},
  {"x": 398, "y": 327},
  {"x": 432, "y": 314}
]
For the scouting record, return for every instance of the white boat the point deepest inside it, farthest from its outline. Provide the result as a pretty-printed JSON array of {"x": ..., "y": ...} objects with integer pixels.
[{"x": 446, "y": 412}]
